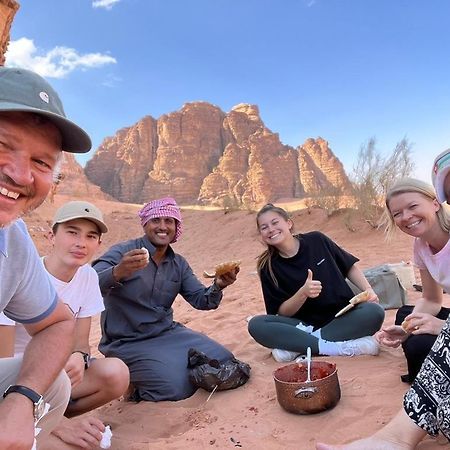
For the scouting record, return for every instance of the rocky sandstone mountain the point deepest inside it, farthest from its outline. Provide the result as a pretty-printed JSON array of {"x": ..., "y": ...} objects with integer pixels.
[
  {"x": 200, "y": 154},
  {"x": 73, "y": 182},
  {"x": 320, "y": 170},
  {"x": 8, "y": 9},
  {"x": 122, "y": 163}
]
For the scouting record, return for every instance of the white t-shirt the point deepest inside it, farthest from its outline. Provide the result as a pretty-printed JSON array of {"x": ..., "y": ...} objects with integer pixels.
[
  {"x": 437, "y": 264},
  {"x": 81, "y": 293}
]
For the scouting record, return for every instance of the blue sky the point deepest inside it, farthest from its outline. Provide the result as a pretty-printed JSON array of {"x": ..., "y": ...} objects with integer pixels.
[{"x": 345, "y": 70}]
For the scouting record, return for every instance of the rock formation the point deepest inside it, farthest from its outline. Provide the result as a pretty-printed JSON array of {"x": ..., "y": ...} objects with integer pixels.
[
  {"x": 320, "y": 169},
  {"x": 73, "y": 182},
  {"x": 8, "y": 9},
  {"x": 254, "y": 168},
  {"x": 122, "y": 163},
  {"x": 200, "y": 154},
  {"x": 190, "y": 143}
]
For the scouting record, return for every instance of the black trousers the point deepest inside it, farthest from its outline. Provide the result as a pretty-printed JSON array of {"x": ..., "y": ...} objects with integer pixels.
[{"x": 417, "y": 347}]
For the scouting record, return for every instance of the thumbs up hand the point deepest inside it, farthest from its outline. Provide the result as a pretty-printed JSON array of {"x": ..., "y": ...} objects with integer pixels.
[{"x": 311, "y": 288}]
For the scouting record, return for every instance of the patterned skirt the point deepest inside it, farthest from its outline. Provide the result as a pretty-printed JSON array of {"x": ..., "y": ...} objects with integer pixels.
[{"x": 427, "y": 402}]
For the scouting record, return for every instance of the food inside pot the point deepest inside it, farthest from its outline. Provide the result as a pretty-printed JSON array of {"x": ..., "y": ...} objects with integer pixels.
[
  {"x": 299, "y": 396},
  {"x": 298, "y": 373}
]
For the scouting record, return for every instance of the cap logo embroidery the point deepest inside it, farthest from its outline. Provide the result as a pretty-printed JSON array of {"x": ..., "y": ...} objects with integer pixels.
[{"x": 44, "y": 96}]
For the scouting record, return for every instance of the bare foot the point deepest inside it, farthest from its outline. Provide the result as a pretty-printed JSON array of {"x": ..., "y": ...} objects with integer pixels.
[
  {"x": 401, "y": 433},
  {"x": 83, "y": 432},
  {"x": 370, "y": 443}
]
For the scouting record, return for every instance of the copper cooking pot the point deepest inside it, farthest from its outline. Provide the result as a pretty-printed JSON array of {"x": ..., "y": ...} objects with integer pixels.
[{"x": 299, "y": 396}]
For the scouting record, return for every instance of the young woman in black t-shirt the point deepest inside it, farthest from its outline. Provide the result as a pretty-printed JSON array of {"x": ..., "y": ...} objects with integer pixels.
[{"x": 303, "y": 279}]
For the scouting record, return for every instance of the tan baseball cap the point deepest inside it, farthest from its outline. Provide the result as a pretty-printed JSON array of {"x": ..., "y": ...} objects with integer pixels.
[{"x": 80, "y": 210}]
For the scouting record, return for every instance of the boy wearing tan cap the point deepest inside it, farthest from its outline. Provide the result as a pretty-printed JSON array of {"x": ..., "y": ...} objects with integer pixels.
[{"x": 76, "y": 236}]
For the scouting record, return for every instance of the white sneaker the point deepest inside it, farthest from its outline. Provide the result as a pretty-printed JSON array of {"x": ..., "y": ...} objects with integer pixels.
[
  {"x": 280, "y": 355},
  {"x": 366, "y": 345},
  {"x": 306, "y": 328}
]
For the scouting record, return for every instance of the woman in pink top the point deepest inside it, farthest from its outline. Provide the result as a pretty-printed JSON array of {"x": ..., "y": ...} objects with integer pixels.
[
  {"x": 426, "y": 406},
  {"x": 412, "y": 207}
]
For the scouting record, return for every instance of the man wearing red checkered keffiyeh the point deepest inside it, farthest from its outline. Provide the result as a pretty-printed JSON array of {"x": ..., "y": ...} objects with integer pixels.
[
  {"x": 140, "y": 280},
  {"x": 163, "y": 207}
]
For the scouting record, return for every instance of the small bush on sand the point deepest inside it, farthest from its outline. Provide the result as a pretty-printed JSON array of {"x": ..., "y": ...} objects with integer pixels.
[
  {"x": 374, "y": 174},
  {"x": 328, "y": 199},
  {"x": 230, "y": 203}
]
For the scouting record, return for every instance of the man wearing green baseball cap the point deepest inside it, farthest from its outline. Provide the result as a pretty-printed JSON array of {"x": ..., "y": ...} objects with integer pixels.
[{"x": 34, "y": 131}]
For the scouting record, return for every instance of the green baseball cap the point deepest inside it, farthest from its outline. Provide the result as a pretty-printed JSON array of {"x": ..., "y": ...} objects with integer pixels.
[{"x": 25, "y": 91}]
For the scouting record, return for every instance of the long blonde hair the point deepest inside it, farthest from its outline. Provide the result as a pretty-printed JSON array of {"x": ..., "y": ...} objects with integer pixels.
[
  {"x": 265, "y": 258},
  {"x": 404, "y": 186}
]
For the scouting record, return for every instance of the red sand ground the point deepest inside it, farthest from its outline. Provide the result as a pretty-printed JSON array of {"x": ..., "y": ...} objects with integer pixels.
[{"x": 250, "y": 417}]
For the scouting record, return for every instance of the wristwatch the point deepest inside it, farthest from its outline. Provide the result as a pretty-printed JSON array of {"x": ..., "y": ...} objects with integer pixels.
[
  {"x": 37, "y": 399},
  {"x": 86, "y": 358}
]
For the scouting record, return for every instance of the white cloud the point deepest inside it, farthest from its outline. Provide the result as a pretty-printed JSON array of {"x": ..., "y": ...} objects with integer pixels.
[
  {"x": 57, "y": 63},
  {"x": 107, "y": 4},
  {"x": 111, "y": 81}
]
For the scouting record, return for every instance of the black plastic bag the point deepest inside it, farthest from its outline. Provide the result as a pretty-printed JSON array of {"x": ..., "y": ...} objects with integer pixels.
[{"x": 211, "y": 374}]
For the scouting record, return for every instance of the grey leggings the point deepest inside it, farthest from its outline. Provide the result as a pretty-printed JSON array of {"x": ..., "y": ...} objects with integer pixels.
[{"x": 272, "y": 331}]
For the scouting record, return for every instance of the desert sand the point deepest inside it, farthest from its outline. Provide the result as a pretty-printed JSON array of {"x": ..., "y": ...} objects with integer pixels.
[{"x": 250, "y": 416}]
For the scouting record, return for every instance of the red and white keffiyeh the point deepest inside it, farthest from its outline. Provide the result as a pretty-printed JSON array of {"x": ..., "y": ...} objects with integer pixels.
[{"x": 163, "y": 207}]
